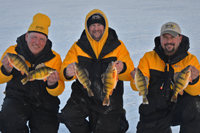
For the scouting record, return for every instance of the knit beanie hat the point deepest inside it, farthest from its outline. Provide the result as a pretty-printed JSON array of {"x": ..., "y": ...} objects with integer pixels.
[
  {"x": 40, "y": 24},
  {"x": 96, "y": 18}
]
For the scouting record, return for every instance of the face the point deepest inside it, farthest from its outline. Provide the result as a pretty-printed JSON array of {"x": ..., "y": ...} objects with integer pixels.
[
  {"x": 36, "y": 42},
  {"x": 96, "y": 30},
  {"x": 170, "y": 43}
]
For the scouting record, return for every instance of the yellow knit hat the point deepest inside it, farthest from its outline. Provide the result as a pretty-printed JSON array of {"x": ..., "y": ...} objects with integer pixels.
[{"x": 40, "y": 23}]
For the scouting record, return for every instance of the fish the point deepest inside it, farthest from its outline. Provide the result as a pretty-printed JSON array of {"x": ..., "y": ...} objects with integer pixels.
[
  {"x": 109, "y": 80},
  {"x": 83, "y": 77},
  {"x": 141, "y": 83},
  {"x": 18, "y": 62},
  {"x": 41, "y": 72},
  {"x": 181, "y": 79}
]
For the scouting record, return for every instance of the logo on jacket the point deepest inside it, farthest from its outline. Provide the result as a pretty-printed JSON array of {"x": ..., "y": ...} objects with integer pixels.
[{"x": 176, "y": 66}]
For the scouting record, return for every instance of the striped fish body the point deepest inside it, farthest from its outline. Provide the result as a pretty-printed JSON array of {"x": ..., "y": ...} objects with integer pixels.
[
  {"x": 141, "y": 83},
  {"x": 18, "y": 62},
  {"x": 109, "y": 79},
  {"x": 41, "y": 73},
  {"x": 181, "y": 81},
  {"x": 83, "y": 77},
  {"x": 38, "y": 74}
]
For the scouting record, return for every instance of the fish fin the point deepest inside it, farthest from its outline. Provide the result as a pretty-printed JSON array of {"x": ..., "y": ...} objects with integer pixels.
[
  {"x": 22, "y": 57},
  {"x": 103, "y": 77},
  {"x": 176, "y": 76},
  {"x": 45, "y": 79},
  {"x": 104, "y": 89},
  {"x": 84, "y": 87},
  {"x": 90, "y": 93},
  {"x": 174, "y": 98},
  {"x": 181, "y": 92},
  {"x": 111, "y": 93},
  {"x": 147, "y": 80},
  {"x": 145, "y": 100},
  {"x": 22, "y": 73},
  {"x": 140, "y": 94},
  {"x": 25, "y": 80},
  {"x": 85, "y": 70},
  {"x": 40, "y": 65},
  {"x": 190, "y": 79},
  {"x": 10, "y": 65},
  {"x": 106, "y": 101}
]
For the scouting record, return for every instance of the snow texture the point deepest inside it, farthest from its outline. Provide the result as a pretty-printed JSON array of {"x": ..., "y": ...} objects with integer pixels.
[{"x": 137, "y": 23}]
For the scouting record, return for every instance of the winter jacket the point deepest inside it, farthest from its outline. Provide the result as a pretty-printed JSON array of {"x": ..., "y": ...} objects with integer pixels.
[
  {"x": 160, "y": 69},
  {"x": 36, "y": 92},
  {"x": 94, "y": 57}
]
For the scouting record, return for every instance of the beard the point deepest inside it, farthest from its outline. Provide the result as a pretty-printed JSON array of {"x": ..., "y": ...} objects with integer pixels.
[
  {"x": 97, "y": 38},
  {"x": 167, "y": 50}
]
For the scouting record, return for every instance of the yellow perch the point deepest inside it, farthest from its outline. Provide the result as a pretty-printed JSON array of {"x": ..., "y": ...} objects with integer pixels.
[
  {"x": 181, "y": 81},
  {"x": 83, "y": 77},
  {"x": 41, "y": 72},
  {"x": 18, "y": 62},
  {"x": 109, "y": 79},
  {"x": 141, "y": 83}
]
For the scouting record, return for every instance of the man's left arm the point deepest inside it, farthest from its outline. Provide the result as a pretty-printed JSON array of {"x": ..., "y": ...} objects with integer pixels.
[
  {"x": 124, "y": 63},
  {"x": 55, "y": 86},
  {"x": 194, "y": 87}
]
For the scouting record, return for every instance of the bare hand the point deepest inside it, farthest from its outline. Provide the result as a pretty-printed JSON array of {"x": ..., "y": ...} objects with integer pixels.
[
  {"x": 119, "y": 66},
  {"x": 6, "y": 64},
  {"x": 70, "y": 70},
  {"x": 53, "y": 78},
  {"x": 194, "y": 72},
  {"x": 133, "y": 73}
]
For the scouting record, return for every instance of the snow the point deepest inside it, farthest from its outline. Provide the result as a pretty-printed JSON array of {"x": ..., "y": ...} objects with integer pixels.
[{"x": 137, "y": 23}]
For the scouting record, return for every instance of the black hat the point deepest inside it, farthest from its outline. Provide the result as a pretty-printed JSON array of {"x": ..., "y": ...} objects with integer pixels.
[{"x": 96, "y": 18}]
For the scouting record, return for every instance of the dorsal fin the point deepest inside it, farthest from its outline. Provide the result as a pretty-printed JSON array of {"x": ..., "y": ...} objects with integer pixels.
[
  {"x": 40, "y": 65},
  {"x": 22, "y": 57}
]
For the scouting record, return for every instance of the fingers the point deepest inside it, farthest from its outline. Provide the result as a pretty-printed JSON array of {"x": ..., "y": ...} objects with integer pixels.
[
  {"x": 70, "y": 70},
  {"x": 119, "y": 66}
]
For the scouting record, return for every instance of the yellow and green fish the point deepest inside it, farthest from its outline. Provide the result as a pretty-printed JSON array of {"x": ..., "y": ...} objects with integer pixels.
[
  {"x": 109, "y": 79},
  {"x": 83, "y": 77},
  {"x": 41, "y": 72},
  {"x": 181, "y": 81},
  {"x": 141, "y": 83},
  {"x": 18, "y": 62}
]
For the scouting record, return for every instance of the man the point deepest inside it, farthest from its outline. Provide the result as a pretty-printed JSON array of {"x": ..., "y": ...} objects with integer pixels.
[
  {"x": 96, "y": 48},
  {"x": 36, "y": 101},
  {"x": 169, "y": 56}
]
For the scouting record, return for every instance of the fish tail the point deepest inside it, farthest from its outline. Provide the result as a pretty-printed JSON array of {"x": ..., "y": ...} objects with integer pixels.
[
  {"x": 26, "y": 79},
  {"x": 145, "y": 100},
  {"x": 90, "y": 93},
  {"x": 174, "y": 98},
  {"x": 106, "y": 101}
]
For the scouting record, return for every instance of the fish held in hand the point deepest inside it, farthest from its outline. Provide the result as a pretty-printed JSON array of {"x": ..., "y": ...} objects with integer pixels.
[
  {"x": 18, "y": 62},
  {"x": 83, "y": 77},
  {"x": 41, "y": 72},
  {"x": 181, "y": 81},
  {"x": 109, "y": 79},
  {"x": 141, "y": 83}
]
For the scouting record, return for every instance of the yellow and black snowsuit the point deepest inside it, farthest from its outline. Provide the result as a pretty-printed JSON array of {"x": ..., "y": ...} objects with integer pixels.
[
  {"x": 35, "y": 101},
  {"x": 161, "y": 113},
  {"x": 95, "y": 57}
]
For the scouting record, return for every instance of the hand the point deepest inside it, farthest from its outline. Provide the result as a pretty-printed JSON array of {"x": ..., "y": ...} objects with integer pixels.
[
  {"x": 119, "y": 66},
  {"x": 70, "y": 70},
  {"x": 133, "y": 73},
  {"x": 53, "y": 78},
  {"x": 194, "y": 72},
  {"x": 6, "y": 64}
]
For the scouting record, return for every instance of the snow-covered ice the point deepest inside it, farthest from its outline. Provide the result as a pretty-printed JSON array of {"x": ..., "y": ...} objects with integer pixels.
[{"x": 137, "y": 23}]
